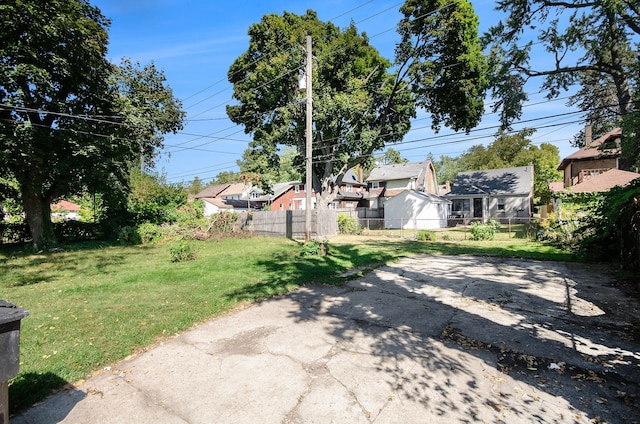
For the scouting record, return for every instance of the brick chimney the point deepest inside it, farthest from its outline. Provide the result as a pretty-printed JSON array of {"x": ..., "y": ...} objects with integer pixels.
[{"x": 588, "y": 137}]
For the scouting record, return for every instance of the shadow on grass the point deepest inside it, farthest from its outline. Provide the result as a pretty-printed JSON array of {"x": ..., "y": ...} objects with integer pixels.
[
  {"x": 29, "y": 388},
  {"x": 345, "y": 261},
  {"x": 29, "y": 268}
]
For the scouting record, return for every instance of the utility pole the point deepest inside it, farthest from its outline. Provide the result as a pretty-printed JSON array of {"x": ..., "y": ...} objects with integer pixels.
[{"x": 309, "y": 148}]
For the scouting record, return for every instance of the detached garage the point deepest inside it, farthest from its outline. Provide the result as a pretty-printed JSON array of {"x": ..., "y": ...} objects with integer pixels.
[{"x": 412, "y": 209}]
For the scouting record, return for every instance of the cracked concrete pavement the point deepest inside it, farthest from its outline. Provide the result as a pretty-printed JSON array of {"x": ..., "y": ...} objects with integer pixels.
[{"x": 429, "y": 339}]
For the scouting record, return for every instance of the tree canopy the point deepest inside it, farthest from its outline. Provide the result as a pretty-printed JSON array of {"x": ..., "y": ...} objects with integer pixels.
[
  {"x": 592, "y": 45},
  {"x": 360, "y": 102},
  {"x": 70, "y": 121}
]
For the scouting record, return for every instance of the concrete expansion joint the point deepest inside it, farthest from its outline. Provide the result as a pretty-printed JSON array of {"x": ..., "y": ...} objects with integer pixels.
[{"x": 148, "y": 399}]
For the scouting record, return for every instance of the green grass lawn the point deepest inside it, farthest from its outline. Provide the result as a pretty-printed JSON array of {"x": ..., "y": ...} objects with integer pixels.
[{"x": 94, "y": 304}]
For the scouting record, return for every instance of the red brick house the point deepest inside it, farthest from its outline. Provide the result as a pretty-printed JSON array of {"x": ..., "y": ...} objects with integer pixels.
[{"x": 289, "y": 196}]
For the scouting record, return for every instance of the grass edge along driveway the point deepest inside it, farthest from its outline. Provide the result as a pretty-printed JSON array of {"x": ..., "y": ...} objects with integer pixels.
[{"x": 93, "y": 304}]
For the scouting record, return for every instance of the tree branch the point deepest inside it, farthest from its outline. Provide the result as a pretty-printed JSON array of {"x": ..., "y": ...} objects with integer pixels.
[{"x": 594, "y": 67}]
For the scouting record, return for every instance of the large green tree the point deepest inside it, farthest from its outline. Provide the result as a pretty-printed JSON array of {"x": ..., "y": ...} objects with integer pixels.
[
  {"x": 360, "y": 102},
  {"x": 590, "y": 44},
  {"x": 70, "y": 121},
  {"x": 440, "y": 57}
]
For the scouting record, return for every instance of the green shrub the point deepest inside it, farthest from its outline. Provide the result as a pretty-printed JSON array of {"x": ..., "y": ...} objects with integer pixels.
[
  {"x": 69, "y": 231},
  {"x": 347, "y": 225},
  {"x": 182, "y": 252},
  {"x": 481, "y": 231},
  {"x": 315, "y": 248},
  {"x": 221, "y": 224},
  {"x": 426, "y": 235},
  {"x": 150, "y": 233},
  {"x": 129, "y": 235},
  {"x": 493, "y": 223}
]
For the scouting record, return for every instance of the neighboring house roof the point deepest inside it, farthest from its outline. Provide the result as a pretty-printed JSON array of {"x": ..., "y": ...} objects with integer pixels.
[
  {"x": 605, "y": 181},
  {"x": 234, "y": 189},
  {"x": 278, "y": 190},
  {"x": 505, "y": 181},
  {"x": 556, "y": 186},
  {"x": 212, "y": 191},
  {"x": 350, "y": 177},
  {"x": 593, "y": 151},
  {"x": 64, "y": 205},
  {"x": 348, "y": 195},
  {"x": 400, "y": 171}
]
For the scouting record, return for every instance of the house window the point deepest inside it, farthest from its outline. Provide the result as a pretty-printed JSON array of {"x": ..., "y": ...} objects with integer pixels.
[
  {"x": 349, "y": 188},
  {"x": 281, "y": 206},
  {"x": 461, "y": 206},
  {"x": 255, "y": 195},
  {"x": 375, "y": 184},
  {"x": 501, "y": 202},
  {"x": 297, "y": 188}
]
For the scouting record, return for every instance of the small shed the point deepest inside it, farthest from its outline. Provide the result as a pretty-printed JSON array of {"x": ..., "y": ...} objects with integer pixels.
[{"x": 413, "y": 209}]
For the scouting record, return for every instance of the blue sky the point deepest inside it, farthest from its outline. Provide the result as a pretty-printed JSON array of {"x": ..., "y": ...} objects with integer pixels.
[{"x": 195, "y": 41}]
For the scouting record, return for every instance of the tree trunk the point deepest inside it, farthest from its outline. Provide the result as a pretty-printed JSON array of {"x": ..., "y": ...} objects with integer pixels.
[{"x": 37, "y": 208}]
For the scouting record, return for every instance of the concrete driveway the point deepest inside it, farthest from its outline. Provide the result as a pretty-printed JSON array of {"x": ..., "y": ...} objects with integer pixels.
[{"x": 429, "y": 339}]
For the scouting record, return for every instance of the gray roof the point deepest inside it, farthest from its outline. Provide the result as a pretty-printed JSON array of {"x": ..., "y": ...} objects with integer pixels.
[
  {"x": 278, "y": 190},
  {"x": 506, "y": 181},
  {"x": 400, "y": 171},
  {"x": 349, "y": 177}
]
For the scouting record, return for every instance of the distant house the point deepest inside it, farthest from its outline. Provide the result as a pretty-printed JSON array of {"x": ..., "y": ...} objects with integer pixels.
[
  {"x": 413, "y": 209},
  {"x": 286, "y": 196},
  {"x": 593, "y": 159},
  {"x": 388, "y": 181},
  {"x": 493, "y": 194},
  {"x": 223, "y": 197},
  {"x": 65, "y": 210},
  {"x": 351, "y": 191}
]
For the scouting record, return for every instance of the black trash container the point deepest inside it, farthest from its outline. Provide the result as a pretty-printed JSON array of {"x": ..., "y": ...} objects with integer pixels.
[{"x": 10, "y": 317}]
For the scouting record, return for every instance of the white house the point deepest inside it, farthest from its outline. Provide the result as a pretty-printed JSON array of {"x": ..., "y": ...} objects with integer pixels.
[{"x": 413, "y": 209}]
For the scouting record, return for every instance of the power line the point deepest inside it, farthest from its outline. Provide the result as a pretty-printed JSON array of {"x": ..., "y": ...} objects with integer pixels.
[{"x": 254, "y": 62}]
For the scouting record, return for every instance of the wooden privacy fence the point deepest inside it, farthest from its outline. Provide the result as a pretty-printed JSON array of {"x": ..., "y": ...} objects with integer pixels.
[{"x": 291, "y": 224}]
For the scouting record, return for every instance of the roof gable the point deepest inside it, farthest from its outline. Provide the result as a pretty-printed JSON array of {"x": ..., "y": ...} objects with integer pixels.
[
  {"x": 505, "y": 181},
  {"x": 212, "y": 191},
  {"x": 594, "y": 151},
  {"x": 350, "y": 177},
  {"x": 234, "y": 189}
]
